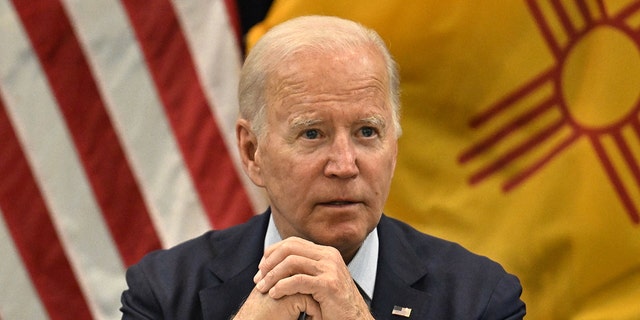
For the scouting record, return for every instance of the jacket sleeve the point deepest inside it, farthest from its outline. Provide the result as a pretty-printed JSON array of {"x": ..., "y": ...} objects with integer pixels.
[
  {"x": 138, "y": 301},
  {"x": 505, "y": 302}
]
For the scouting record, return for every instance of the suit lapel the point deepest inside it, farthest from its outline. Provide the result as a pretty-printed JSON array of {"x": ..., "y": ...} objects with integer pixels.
[
  {"x": 399, "y": 268},
  {"x": 233, "y": 269},
  {"x": 223, "y": 300},
  {"x": 390, "y": 293}
]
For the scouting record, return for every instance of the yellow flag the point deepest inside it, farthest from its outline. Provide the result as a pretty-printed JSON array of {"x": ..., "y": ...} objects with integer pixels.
[{"x": 521, "y": 138}]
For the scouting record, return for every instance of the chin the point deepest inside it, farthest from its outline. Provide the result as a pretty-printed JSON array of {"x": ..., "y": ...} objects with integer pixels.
[
  {"x": 344, "y": 232},
  {"x": 346, "y": 241}
]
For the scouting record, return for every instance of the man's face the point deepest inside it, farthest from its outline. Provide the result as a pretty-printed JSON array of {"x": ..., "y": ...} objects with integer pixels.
[{"x": 330, "y": 148}]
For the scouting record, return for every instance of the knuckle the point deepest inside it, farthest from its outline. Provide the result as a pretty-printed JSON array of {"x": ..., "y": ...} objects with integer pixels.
[
  {"x": 287, "y": 246},
  {"x": 333, "y": 253},
  {"x": 333, "y": 284}
]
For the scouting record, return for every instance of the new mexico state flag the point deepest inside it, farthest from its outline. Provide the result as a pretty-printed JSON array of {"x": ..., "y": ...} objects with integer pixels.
[{"x": 521, "y": 138}]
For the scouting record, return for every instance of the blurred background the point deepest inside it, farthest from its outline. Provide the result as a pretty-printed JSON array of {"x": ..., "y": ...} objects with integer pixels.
[{"x": 521, "y": 140}]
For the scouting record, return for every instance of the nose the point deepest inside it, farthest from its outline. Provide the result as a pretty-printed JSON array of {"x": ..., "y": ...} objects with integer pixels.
[{"x": 342, "y": 159}]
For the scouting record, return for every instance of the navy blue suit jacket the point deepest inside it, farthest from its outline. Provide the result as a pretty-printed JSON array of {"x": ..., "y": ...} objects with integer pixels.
[{"x": 210, "y": 276}]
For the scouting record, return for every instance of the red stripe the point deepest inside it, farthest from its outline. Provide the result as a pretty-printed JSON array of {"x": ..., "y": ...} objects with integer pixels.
[
  {"x": 612, "y": 173},
  {"x": 531, "y": 169},
  {"x": 234, "y": 20},
  {"x": 70, "y": 78},
  {"x": 33, "y": 233},
  {"x": 625, "y": 13},
  {"x": 564, "y": 18},
  {"x": 507, "y": 102},
  {"x": 517, "y": 151},
  {"x": 201, "y": 143},
  {"x": 511, "y": 127},
  {"x": 545, "y": 28}
]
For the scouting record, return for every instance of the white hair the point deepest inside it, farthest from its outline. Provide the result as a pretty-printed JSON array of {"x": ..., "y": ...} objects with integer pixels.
[{"x": 321, "y": 33}]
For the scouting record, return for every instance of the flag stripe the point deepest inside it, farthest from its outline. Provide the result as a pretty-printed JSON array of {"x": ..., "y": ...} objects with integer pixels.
[
  {"x": 622, "y": 160},
  {"x": 564, "y": 18},
  {"x": 47, "y": 145},
  {"x": 28, "y": 220},
  {"x": 628, "y": 157},
  {"x": 206, "y": 28},
  {"x": 56, "y": 46},
  {"x": 511, "y": 99},
  {"x": 540, "y": 163},
  {"x": 630, "y": 10},
  {"x": 600, "y": 11},
  {"x": 77, "y": 86},
  {"x": 615, "y": 179},
  {"x": 138, "y": 115},
  {"x": 234, "y": 20},
  {"x": 193, "y": 124},
  {"x": 17, "y": 283},
  {"x": 517, "y": 151},
  {"x": 545, "y": 28},
  {"x": 508, "y": 129}
]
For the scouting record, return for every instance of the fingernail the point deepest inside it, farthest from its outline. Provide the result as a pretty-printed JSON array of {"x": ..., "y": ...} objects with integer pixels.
[
  {"x": 257, "y": 277},
  {"x": 260, "y": 285}
]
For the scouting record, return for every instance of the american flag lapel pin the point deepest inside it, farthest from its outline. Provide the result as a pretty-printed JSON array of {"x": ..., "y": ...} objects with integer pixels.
[{"x": 401, "y": 311}]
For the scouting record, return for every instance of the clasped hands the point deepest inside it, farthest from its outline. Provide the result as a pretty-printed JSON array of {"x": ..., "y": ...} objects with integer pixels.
[{"x": 296, "y": 275}]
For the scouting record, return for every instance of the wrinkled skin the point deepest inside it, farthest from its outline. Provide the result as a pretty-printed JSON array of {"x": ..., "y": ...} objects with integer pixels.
[{"x": 326, "y": 162}]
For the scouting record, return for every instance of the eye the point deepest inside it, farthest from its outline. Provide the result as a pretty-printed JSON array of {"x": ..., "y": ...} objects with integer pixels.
[
  {"x": 311, "y": 134},
  {"x": 367, "y": 132}
]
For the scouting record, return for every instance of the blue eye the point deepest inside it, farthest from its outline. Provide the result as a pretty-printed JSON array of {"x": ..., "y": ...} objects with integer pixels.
[
  {"x": 311, "y": 134},
  {"x": 367, "y": 132}
]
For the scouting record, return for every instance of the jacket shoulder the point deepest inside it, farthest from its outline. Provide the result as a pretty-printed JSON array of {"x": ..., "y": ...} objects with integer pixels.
[
  {"x": 440, "y": 255},
  {"x": 459, "y": 281},
  {"x": 166, "y": 283}
]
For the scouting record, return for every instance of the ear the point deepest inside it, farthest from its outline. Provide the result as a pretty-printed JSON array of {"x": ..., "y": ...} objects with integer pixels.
[{"x": 248, "y": 147}]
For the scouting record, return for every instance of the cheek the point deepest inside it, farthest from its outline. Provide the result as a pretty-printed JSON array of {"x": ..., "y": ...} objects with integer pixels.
[
  {"x": 385, "y": 155},
  {"x": 391, "y": 158},
  {"x": 380, "y": 173},
  {"x": 283, "y": 172},
  {"x": 271, "y": 166}
]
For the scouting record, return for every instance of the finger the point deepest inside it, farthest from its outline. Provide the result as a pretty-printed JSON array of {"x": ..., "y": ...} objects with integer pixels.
[
  {"x": 296, "y": 284},
  {"x": 342, "y": 303},
  {"x": 323, "y": 288},
  {"x": 312, "y": 309},
  {"x": 290, "y": 266},
  {"x": 276, "y": 253},
  {"x": 262, "y": 306},
  {"x": 290, "y": 246}
]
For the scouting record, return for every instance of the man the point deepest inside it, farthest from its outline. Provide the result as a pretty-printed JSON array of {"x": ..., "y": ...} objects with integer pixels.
[{"x": 318, "y": 130}]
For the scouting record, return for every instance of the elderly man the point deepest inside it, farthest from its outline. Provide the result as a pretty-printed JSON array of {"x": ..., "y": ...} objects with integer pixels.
[{"x": 318, "y": 130}]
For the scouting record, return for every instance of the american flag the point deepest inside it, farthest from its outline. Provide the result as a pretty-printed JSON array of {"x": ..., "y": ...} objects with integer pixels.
[
  {"x": 401, "y": 311},
  {"x": 116, "y": 138}
]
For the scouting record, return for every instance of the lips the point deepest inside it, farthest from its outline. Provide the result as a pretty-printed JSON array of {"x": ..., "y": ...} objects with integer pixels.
[{"x": 338, "y": 203}]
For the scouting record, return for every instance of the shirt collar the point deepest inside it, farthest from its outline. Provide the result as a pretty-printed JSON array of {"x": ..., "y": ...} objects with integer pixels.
[{"x": 364, "y": 265}]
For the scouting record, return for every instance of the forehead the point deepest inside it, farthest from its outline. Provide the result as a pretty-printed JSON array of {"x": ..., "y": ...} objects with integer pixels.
[{"x": 313, "y": 79}]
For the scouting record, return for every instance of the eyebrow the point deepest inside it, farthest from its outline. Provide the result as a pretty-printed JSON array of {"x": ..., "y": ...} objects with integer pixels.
[
  {"x": 375, "y": 121},
  {"x": 302, "y": 122}
]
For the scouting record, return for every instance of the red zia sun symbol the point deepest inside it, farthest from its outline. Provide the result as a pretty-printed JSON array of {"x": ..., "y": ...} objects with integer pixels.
[{"x": 596, "y": 54}]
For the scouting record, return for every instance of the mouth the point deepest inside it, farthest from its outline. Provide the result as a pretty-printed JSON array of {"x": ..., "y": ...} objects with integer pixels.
[{"x": 339, "y": 203}]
